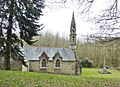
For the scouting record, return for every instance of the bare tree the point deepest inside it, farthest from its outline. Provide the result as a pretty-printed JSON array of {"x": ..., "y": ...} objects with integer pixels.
[{"x": 107, "y": 20}]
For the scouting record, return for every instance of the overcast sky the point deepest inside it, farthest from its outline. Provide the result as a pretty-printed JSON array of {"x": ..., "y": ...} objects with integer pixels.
[{"x": 59, "y": 20}]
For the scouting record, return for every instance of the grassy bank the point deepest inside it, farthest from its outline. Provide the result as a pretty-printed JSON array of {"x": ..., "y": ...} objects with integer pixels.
[{"x": 90, "y": 78}]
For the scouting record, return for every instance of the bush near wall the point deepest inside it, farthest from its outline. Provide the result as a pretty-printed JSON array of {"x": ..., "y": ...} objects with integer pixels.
[{"x": 86, "y": 62}]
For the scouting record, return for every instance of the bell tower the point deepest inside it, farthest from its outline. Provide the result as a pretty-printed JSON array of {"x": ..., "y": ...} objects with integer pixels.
[{"x": 73, "y": 34}]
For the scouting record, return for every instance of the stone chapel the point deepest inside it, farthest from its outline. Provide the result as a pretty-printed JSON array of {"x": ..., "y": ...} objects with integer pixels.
[{"x": 53, "y": 60}]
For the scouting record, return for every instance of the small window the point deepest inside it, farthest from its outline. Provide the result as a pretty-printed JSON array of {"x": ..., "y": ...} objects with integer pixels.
[
  {"x": 73, "y": 31},
  {"x": 44, "y": 63},
  {"x": 73, "y": 38},
  {"x": 57, "y": 64}
]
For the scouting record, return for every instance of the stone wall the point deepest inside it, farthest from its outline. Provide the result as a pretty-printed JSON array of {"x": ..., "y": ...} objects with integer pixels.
[
  {"x": 50, "y": 66},
  {"x": 34, "y": 66},
  {"x": 1, "y": 63},
  {"x": 25, "y": 68},
  {"x": 15, "y": 65},
  {"x": 67, "y": 67}
]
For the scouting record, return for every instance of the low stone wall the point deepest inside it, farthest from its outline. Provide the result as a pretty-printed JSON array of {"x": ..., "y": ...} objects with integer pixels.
[
  {"x": 15, "y": 65},
  {"x": 1, "y": 63}
]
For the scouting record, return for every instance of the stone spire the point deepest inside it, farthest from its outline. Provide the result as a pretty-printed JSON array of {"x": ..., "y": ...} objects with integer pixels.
[{"x": 73, "y": 33}]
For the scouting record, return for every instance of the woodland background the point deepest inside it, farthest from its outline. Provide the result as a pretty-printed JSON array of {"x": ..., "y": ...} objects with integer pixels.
[{"x": 94, "y": 50}]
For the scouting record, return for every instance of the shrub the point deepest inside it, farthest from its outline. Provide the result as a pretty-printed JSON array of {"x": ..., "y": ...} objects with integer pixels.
[
  {"x": 118, "y": 68},
  {"x": 86, "y": 62}
]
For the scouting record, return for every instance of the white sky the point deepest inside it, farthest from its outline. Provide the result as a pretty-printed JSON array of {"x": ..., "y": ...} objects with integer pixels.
[{"x": 60, "y": 20}]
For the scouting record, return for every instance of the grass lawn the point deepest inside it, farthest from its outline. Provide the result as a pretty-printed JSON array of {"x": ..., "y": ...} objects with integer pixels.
[{"x": 89, "y": 78}]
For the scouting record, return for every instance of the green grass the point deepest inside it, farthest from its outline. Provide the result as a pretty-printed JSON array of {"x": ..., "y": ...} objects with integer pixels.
[{"x": 89, "y": 78}]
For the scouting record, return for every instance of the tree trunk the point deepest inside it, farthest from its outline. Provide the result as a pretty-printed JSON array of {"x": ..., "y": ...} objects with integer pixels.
[{"x": 9, "y": 33}]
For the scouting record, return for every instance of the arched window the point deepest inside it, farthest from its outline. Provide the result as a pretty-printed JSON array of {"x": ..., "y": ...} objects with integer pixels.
[
  {"x": 44, "y": 63},
  {"x": 57, "y": 64}
]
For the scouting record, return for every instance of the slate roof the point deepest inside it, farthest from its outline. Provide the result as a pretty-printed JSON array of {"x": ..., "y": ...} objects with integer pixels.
[{"x": 33, "y": 53}]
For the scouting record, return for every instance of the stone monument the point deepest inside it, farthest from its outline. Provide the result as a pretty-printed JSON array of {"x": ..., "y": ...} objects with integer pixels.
[{"x": 104, "y": 69}]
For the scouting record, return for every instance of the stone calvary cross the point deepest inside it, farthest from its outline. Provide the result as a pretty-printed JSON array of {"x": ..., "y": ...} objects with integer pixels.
[
  {"x": 104, "y": 69},
  {"x": 104, "y": 63}
]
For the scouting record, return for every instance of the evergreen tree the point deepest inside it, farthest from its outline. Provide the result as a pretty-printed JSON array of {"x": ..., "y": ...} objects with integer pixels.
[{"x": 22, "y": 16}]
